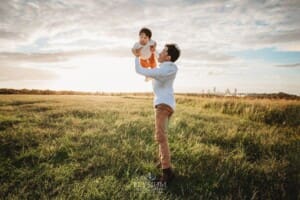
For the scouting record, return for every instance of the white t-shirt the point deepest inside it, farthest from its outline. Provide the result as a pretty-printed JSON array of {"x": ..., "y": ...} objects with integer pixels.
[{"x": 145, "y": 52}]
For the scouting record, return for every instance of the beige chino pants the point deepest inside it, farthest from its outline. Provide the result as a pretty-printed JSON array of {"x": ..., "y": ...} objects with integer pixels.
[{"x": 163, "y": 112}]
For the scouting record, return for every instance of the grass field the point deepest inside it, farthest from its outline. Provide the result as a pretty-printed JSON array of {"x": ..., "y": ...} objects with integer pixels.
[{"x": 102, "y": 147}]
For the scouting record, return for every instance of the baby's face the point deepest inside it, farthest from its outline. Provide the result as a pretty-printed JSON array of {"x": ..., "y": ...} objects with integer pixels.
[{"x": 144, "y": 39}]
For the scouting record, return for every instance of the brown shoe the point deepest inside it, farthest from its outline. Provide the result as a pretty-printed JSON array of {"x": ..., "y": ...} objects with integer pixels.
[{"x": 166, "y": 177}]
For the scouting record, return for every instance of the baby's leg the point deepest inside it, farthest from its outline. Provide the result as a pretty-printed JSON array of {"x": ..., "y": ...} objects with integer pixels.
[
  {"x": 152, "y": 61},
  {"x": 145, "y": 63}
]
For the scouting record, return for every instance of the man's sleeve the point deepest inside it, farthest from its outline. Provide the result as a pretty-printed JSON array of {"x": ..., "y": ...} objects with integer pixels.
[{"x": 156, "y": 73}]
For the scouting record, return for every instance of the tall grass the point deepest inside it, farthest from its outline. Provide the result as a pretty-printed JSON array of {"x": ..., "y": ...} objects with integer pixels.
[{"x": 102, "y": 147}]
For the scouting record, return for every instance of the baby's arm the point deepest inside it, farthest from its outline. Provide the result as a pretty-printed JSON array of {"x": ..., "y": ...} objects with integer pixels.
[
  {"x": 136, "y": 49},
  {"x": 134, "y": 52}
]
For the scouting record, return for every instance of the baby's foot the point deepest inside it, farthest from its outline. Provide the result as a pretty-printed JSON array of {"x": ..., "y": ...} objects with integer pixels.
[{"x": 148, "y": 79}]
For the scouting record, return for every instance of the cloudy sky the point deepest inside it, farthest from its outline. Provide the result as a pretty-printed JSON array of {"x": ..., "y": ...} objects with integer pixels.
[{"x": 253, "y": 46}]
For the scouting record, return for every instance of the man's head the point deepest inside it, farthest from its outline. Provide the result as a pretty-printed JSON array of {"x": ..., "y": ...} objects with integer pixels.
[
  {"x": 145, "y": 35},
  {"x": 171, "y": 53}
]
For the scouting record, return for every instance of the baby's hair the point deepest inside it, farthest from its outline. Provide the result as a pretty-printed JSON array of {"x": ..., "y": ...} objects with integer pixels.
[
  {"x": 173, "y": 51},
  {"x": 147, "y": 32}
]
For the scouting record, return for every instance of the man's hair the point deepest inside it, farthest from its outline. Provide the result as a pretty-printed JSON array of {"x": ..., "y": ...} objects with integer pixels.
[
  {"x": 173, "y": 51},
  {"x": 147, "y": 32}
]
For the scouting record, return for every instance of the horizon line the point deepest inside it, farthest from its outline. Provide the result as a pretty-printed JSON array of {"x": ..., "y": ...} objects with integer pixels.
[{"x": 149, "y": 92}]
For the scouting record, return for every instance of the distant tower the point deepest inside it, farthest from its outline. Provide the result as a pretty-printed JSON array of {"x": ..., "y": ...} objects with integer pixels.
[
  {"x": 227, "y": 92},
  {"x": 215, "y": 90},
  {"x": 235, "y": 91}
]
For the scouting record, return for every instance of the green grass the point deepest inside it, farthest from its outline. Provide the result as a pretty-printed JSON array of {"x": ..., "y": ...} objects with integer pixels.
[{"x": 102, "y": 147}]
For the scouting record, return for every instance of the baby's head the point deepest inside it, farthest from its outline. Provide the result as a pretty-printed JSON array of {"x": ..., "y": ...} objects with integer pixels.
[{"x": 145, "y": 35}]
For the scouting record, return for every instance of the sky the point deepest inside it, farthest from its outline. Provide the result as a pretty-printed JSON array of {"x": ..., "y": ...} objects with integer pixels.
[{"x": 250, "y": 45}]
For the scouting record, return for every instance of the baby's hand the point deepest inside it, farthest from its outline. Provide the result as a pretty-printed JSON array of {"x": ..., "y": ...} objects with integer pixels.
[{"x": 137, "y": 52}]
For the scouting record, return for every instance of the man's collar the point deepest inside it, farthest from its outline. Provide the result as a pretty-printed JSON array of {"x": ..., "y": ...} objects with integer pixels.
[{"x": 166, "y": 63}]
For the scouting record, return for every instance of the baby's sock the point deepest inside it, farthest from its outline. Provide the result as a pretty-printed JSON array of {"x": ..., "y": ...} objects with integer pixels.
[{"x": 148, "y": 78}]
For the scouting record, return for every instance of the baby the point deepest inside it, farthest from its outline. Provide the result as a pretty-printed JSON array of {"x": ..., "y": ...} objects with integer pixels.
[{"x": 147, "y": 57}]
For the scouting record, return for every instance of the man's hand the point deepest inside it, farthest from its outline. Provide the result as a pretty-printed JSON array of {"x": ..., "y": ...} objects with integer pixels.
[{"x": 152, "y": 47}]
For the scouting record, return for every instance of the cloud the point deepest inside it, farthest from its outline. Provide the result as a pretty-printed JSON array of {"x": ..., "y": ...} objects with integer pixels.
[
  {"x": 289, "y": 65},
  {"x": 34, "y": 57},
  {"x": 10, "y": 35},
  {"x": 202, "y": 26},
  {"x": 215, "y": 72},
  {"x": 207, "y": 56},
  {"x": 16, "y": 57},
  {"x": 205, "y": 25},
  {"x": 19, "y": 73}
]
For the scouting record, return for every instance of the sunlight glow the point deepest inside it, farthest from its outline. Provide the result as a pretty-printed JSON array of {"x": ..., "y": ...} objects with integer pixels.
[{"x": 96, "y": 73}]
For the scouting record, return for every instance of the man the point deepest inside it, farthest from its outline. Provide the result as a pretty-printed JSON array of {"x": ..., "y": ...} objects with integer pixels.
[{"x": 164, "y": 102}]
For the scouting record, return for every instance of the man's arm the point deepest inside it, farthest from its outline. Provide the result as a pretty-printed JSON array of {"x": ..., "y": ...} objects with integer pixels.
[{"x": 156, "y": 73}]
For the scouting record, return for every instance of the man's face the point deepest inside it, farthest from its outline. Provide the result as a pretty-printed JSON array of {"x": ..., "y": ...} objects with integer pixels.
[
  {"x": 144, "y": 39},
  {"x": 163, "y": 55}
]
